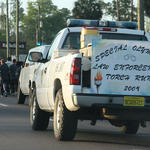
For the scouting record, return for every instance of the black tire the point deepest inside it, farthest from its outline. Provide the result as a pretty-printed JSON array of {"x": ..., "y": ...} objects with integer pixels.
[
  {"x": 30, "y": 96},
  {"x": 131, "y": 127},
  {"x": 20, "y": 96},
  {"x": 39, "y": 119},
  {"x": 65, "y": 121}
]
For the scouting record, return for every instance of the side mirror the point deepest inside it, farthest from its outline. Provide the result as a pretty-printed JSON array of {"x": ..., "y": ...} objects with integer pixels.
[
  {"x": 43, "y": 60},
  {"x": 35, "y": 57}
]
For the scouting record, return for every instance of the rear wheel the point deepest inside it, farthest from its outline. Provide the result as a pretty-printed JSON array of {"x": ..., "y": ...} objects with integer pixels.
[
  {"x": 131, "y": 127},
  {"x": 65, "y": 121},
  {"x": 39, "y": 119},
  {"x": 20, "y": 96},
  {"x": 30, "y": 96}
]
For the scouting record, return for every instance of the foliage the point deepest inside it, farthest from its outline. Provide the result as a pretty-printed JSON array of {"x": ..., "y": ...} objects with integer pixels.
[
  {"x": 147, "y": 7},
  {"x": 124, "y": 10},
  {"x": 52, "y": 20},
  {"x": 2, "y": 23},
  {"x": 87, "y": 9},
  {"x": 2, "y": 35},
  {"x": 53, "y": 23},
  {"x": 12, "y": 23},
  {"x": 13, "y": 12}
]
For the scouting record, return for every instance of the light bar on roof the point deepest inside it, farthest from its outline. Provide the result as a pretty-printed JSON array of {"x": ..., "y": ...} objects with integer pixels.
[
  {"x": 97, "y": 23},
  {"x": 123, "y": 24},
  {"x": 81, "y": 22},
  {"x": 103, "y": 23}
]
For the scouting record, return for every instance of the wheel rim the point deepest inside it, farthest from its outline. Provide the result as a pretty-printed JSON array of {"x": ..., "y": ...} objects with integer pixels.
[
  {"x": 33, "y": 109},
  {"x": 58, "y": 116},
  {"x": 18, "y": 91},
  {"x": 18, "y": 94}
]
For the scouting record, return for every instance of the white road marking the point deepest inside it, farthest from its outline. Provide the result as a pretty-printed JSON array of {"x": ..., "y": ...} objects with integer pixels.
[{"x": 3, "y": 105}]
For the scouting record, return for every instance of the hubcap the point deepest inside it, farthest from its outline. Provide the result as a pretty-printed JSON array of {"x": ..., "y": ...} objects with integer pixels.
[
  {"x": 58, "y": 116},
  {"x": 33, "y": 109}
]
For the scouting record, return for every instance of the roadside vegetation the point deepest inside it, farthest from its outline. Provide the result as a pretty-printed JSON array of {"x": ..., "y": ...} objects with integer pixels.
[{"x": 52, "y": 19}]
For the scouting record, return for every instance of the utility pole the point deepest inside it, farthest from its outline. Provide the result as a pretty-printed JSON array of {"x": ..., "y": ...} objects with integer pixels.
[
  {"x": 140, "y": 12},
  {"x": 117, "y": 9},
  {"x": 17, "y": 28},
  {"x": 39, "y": 20},
  {"x": 131, "y": 17},
  {"x": 7, "y": 30}
]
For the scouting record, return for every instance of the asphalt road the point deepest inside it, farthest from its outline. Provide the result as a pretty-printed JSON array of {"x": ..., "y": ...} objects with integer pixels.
[{"x": 16, "y": 133}]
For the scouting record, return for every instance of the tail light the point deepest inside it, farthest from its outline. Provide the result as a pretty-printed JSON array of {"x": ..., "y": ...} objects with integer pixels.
[
  {"x": 27, "y": 65},
  {"x": 108, "y": 29},
  {"x": 75, "y": 73}
]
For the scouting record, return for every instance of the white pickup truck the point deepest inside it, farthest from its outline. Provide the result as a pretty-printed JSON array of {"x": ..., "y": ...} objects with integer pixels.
[
  {"x": 108, "y": 80},
  {"x": 27, "y": 72}
]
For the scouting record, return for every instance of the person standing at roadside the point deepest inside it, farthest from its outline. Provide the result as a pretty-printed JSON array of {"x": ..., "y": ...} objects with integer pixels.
[
  {"x": 19, "y": 65},
  {"x": 9, "y": 62},
  {"x": 4, "y": 77},
  {"x": 13, "y": 78}
]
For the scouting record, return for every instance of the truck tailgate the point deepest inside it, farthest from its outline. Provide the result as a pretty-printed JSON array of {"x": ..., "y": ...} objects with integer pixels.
[{"x": 120, "y": 67}]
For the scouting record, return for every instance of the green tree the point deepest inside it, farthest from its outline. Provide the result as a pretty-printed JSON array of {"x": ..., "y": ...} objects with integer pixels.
[
  {"x": 2, "y": 17},
  {"x": 147, "y": 7},
  {"x": 2, "y": 23},
  {"x": 125, "y": 9},
  {"x": 13, "y": 12},
  {"x": 52, "y": 20},
  {"x": 30, "y": 21},
  {"x": 87, "y": 9},
  {"x": 54, "y": 23},
  {"x": 12, "y": 20}
]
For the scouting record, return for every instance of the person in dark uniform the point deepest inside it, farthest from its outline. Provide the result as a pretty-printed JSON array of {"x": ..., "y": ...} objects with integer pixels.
[
  {"x": 19, "y": 65},
  {"x": 13, "y": 78},
  {"x": 4, "y": 77}
]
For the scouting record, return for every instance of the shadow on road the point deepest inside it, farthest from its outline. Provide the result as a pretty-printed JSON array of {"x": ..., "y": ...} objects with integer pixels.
[{"x": 113, "y": 138}]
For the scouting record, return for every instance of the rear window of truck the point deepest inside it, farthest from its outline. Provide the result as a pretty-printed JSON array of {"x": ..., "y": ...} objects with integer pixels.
[
  {"x": 72, "y": 40},
  {"x": 117, "y": 36}
]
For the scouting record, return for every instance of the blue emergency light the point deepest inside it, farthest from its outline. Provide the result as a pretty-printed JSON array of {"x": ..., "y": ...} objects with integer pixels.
[
  {"x": 123, "y": 24},
  {"x": 38, "y": 43},
  {"x": 81, "y": 22},
  {"x": 97, "y": 23}
]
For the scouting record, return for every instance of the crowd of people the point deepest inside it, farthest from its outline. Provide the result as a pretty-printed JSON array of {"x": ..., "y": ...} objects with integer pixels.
[{"x": 9, "y": 75}]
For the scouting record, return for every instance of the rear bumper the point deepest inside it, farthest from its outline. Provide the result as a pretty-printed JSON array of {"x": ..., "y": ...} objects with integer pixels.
[
  {"x": 88, "y": 100},
  {"x": 112, "y": 107}
]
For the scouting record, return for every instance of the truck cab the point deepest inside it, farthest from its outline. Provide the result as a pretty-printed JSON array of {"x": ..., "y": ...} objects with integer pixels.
[
  {"x": 33, "y": 59},
  {"x": 103, "y": 80}
]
